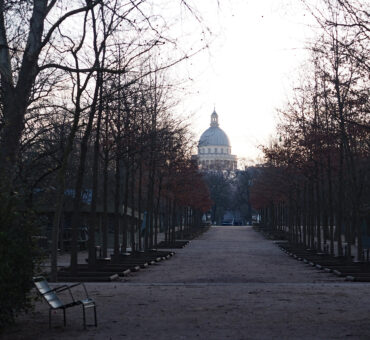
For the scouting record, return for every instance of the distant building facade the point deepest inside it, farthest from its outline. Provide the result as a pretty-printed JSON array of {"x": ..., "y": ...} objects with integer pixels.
[{"x": 214, "y": 149}]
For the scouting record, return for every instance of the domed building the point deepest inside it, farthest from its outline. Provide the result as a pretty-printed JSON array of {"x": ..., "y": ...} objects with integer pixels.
[{"x": 214, "y": 149}]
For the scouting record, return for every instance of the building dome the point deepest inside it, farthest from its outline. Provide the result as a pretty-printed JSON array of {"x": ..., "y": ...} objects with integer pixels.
[
  {"x": 214, "y": 135},
  {"x": 214, "y": 148}
]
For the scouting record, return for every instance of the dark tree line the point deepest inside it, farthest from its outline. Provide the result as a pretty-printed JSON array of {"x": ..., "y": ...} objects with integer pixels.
[
  {"x": 230, "y": 194},
  {"x": 315, "y": 183},
  {"x": 86, "y": 128}
]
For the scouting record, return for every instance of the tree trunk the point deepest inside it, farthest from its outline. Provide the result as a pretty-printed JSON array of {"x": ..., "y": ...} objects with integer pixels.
[
  {"x": 105, "y": 195},
  {"x": 117, "y": 210},
  {"x": 77, "y": 202},
  {"x": 318, "y": 211},
  {"x": 95, "y": 184},
  {"x": 125, "y": 207},
  {"x": 132, "y": 224},
  {"x": 61, "y": 188},
  {"x": 15, "y": 100},
  {"x": 139, "y": 212}
]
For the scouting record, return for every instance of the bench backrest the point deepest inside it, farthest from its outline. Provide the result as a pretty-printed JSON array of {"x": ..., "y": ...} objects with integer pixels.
[{"x": 47, "y": 293}]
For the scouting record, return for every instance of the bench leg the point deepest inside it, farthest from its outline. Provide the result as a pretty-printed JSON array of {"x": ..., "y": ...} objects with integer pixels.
[
  {"x": 49, "y": 317},
  {"x": 84, "y": 316},
  {"x": 96, "y": 322},
  {"x": 64, "y": 317}
]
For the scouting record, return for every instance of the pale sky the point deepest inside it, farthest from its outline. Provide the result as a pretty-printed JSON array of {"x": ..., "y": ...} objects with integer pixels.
[{"x": 249, "y": 69}]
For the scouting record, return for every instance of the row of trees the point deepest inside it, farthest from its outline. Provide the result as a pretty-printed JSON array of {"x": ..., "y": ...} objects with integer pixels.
[
  {"x": 229, "y": 191},
  {"x": 315, "y": 183},
  {"x": 86, "y": 125}
]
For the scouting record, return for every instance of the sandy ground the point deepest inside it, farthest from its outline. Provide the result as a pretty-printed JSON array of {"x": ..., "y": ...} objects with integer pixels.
[{"x": 229, "y": 284}]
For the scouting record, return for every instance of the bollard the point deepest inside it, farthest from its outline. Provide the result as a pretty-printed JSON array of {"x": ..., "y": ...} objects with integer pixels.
[{"x": 98, "y": 252}]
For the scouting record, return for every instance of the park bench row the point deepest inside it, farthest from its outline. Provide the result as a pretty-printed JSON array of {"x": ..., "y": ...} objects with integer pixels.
[
  {"x": 112, "y": 269},
  {"x": 341, "y": 266}
]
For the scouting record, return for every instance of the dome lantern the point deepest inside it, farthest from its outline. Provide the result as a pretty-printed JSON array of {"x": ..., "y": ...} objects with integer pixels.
[{"x": 214, "y": 119}]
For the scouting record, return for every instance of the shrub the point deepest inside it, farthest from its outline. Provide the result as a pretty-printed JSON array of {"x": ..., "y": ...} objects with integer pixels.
[{"x": 18, "y": 260}]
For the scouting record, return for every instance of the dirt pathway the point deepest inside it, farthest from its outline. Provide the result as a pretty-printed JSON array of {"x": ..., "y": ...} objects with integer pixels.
[
  {"x": 229, "y": 284},
  {"x": 232, "y": 255}
]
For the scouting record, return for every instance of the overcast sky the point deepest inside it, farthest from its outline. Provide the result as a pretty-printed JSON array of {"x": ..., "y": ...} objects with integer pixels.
[{"x": 249, "y": 69}]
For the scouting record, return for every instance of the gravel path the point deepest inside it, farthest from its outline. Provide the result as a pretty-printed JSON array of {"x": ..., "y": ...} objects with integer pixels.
[{"x": 231, "y": 283}]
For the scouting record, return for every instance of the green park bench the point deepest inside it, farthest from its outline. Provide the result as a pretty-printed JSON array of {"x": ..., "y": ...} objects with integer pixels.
[{"x": 51, "y": 297}]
